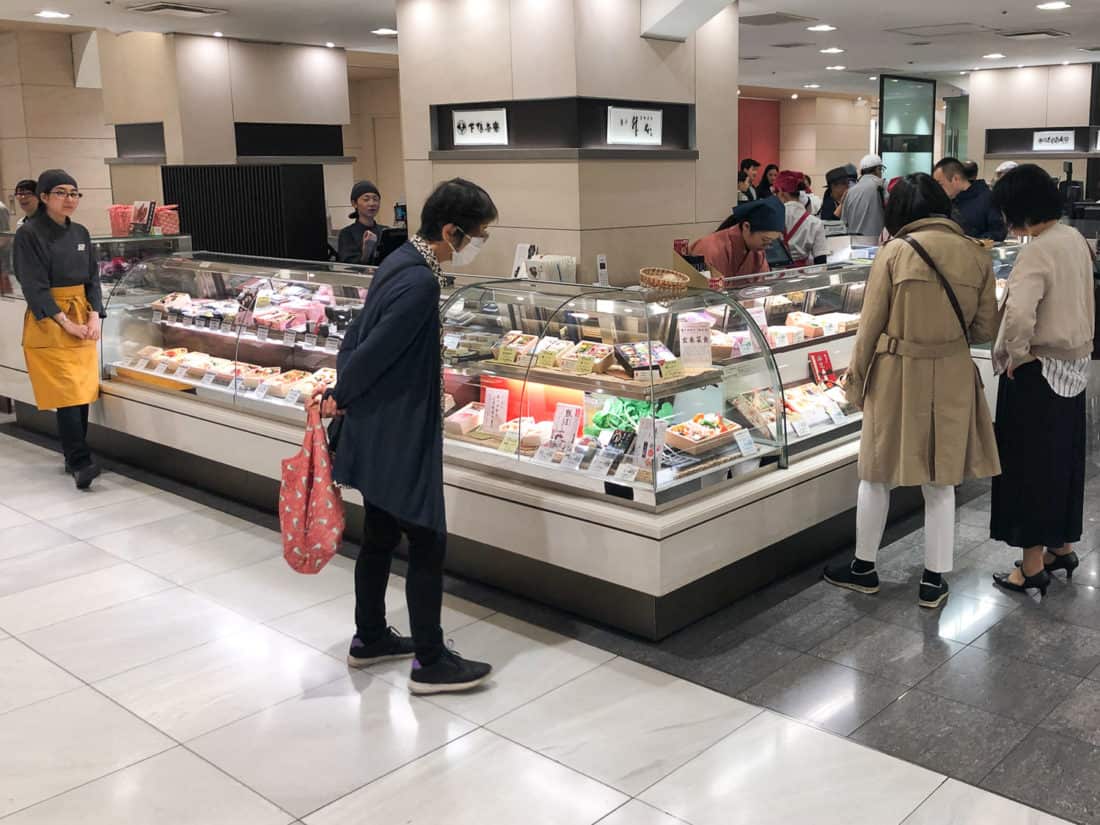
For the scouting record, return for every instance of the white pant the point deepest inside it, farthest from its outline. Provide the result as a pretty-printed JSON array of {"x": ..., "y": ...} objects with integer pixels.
[{"x": 939, "y": 523}]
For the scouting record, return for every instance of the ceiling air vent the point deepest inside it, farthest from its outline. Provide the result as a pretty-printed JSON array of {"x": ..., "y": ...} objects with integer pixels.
[
  {"x": 747, "y": 59},
  {"x": 791, "y": 45},
  {"x": 1036, "y": 34},
  {"x": 775, "y": 19},
  {"x": 1094, "y": 49},
  {"x": 935, "y": 32},
  {"x": 175, "y": 10}
]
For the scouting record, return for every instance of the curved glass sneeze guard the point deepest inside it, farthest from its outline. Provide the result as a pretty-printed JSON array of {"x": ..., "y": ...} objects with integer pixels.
[{"x": 613, "y": 391}]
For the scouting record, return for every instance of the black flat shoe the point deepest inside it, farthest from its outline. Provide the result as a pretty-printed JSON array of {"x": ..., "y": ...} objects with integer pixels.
[
  {"x": 86, "y": 475},
  {"x": 1069, "y": 562},
  {"x": 842, "y": 575},
  {"x": 932, "y": 595},
  {"x": 1040, "y": 581}
]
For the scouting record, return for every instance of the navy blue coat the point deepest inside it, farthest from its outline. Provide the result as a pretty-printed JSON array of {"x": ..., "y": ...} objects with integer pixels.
[
  {"x": 974, "y": 211},
  {"x": 391, "y": 442}
]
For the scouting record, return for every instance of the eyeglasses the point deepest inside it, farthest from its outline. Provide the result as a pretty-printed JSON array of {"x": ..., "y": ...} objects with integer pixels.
[
  {"x": 61, "y": 193},
  {"x": 24, "y": 193}
]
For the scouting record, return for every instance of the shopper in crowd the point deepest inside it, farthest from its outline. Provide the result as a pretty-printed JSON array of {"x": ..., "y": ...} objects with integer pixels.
[
  {"x": 1004, "y": 169},
  {"x": 57, "y": 268},
  {"x": 930, "y": 295},
  {"x": 838, "y": 182},
  {"x": 5, "y": 217},
  {"x": 865, "y": 203},
  {"x": 804, "y": 234},
  {"x": 1043, "y": 354},
  {"x": 970, "y": 168},
  {"x": 739, "y": 246},
  {"x": 814, "y": 200},
  {"x": 972, "y": 201},
  {"x": 26, "y": 198},
  {"x": 766, "y": 187},
  {"x": 743, "y": 187},
  {"x": 751, "y": 168},
  {"x": 358, "y": 242},
  {"x": 390, "y": 396}
]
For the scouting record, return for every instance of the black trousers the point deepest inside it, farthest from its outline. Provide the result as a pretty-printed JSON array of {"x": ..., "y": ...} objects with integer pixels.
[
  {"x": 423, "y": 587},
  {"x": 72, "y": 427}
]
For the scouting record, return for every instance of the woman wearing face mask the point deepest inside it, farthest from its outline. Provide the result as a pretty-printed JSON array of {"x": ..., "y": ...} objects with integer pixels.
[
  {"x": 390, "y": 394},
  {"x": 739, "y": 246},
  {"x": 57, "y": 268}
]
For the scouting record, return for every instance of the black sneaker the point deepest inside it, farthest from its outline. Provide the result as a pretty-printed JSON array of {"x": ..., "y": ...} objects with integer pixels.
[
  {"x": 450, "y": 674},
  {"x": 86, "y": 475},
  {"x": 389, "y": 647},
  {"x": 843, "y": 575},
  {"x": 933, "y": 595}
]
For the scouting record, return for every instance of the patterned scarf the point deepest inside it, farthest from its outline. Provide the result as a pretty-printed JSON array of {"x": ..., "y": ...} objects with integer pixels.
[{"x": 426, "y": 252}]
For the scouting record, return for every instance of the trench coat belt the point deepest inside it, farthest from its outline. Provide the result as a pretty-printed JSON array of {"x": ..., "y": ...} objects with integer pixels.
[{"x": 888, "y": 345}]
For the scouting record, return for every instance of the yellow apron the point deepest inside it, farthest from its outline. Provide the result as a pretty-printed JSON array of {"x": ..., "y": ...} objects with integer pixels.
[{"x": 64, "y": 371}]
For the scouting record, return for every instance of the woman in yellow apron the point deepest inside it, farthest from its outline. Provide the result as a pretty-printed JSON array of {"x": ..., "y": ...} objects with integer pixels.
[{"x": 57, "y": 268}]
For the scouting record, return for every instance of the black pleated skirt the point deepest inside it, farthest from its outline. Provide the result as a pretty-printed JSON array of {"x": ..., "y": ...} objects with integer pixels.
[{"x": 1039, "y": 498}]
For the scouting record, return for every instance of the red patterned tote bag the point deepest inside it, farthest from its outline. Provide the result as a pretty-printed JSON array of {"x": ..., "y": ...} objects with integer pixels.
[{"x": 311, "y": 510}]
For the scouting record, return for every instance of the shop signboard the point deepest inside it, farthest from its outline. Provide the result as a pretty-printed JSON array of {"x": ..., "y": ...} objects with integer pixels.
[
  {"x": 1060, "y": 140},
  {"x": 480, "y": 127},
  {"x": 634, "y": 127}
]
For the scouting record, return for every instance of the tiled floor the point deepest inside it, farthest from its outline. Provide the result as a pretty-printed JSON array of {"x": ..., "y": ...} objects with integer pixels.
[{"x": 160, "y": 663}]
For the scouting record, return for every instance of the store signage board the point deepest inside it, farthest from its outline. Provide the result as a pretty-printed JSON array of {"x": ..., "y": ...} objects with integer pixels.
[
  {"x": 480, "y": 127},
  {"x": 634, "y": 127},
  {"x": 1061, "y": 140},
  {"x": 695, "y": 338}
]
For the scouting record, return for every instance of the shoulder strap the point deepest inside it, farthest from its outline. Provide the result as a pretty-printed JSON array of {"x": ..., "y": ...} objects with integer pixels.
[
  {"x": 923, "y": 253},
  {"x": 794, "y": 229}
]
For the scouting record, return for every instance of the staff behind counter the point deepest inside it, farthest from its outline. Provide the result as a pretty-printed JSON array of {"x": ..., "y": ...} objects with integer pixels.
[
  {"x": 358, "y": 243},
  {"x": 739, "y": 246}
]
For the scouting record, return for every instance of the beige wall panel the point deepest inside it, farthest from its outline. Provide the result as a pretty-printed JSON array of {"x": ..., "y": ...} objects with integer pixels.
[
  {"x": 355, "y": 94},
  {"x": 1068, "y": 94},
  {"x": 91, "y": 173},
  {"x": 418, "y": 185},
  {"x": 339, "y": 179},
  {"x": 838, "y": 112},
  {"x": 93, "y": 211},
  {"x": 367, "y": 164},
  {"x": 802, "y": 160},
  {"x": 288, "y": 84},
  {"x": 380, "y": 97},
  {"x": 136, "y": 183},
  {"x": 716, "y": 58},
  {"x": 13, "y": 122},
  {"x": 430, "y": 31},
  {"x": 353, "y": 139},
  {"x": 545, "y": 194},
  {"x": 10, "y": 74},
  {"x": 832, "y": 158},
  {"x": 495, "y": 259},
  {"x": 390, "y": 165},
  {"x": 544, "y": 56},
  {"x": 629, "y": 249},
  {"x": 338, "y": 217},
  {"x": 139, "y": 77},
  {"x": 205, "y": 99},
  {"x": 844, "y": 138},
  {"x": 15, "y": 163},
  {"x": 56, "y": 111},
  {"x": 797, "y": 112},
  {"x": 798, "y": 136},
  {"x": 46, "y": 58},
  {"x": 621, "y": 193}
]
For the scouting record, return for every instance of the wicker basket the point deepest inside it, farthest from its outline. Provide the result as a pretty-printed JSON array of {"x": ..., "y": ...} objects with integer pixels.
[{"x": 664, "y": 280}]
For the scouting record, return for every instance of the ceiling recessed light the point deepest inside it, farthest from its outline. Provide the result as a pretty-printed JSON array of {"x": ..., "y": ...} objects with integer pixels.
[
  {"x": 821, "y": 27},
  {"x": 218, "y": 34},
  {"x": 384, "y": 32},
  {"x": 738, "y": 91},
  {"x": 1065, "y": 62},
  {"x": 835, "y": 68},
  {"x": 330, "y": 45},
  {"x": 1058, "y": 5},
  {"x": 1020, "y": 66},
  {"x": 964, "y": 72},
  {"x": 794, "y": 96},
  {"x": 873, "y": 77},
  {"x": 993, "y": 56},
  {"x": 832, "y": 50},
  {"x": 811, "y": 85},
  {"x": 46, "y": 14}
]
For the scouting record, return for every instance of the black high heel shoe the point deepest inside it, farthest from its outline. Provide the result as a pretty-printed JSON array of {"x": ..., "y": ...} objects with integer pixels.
[
  {"x": 1069, "y": 562},
  {"x": 1040, "y": 581}
]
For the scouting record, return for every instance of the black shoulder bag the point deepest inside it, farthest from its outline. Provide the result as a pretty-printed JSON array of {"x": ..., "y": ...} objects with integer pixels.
[{"x": 923, "y": 253}]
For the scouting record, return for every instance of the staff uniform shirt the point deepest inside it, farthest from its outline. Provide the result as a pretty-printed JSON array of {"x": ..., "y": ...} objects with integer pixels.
[
  {"x": 809, "y": 241},
  {"x": 49, "y": 255},
  {"x": 350, "y": 245}
]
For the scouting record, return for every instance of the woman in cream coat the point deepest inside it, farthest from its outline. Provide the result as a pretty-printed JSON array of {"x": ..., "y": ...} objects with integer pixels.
[{"x": 925, "y": 419}]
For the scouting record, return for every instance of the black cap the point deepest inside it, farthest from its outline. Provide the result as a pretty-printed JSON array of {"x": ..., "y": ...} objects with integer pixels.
[
  {"x": 364, "y": 187},
  {"x": 52, "y": 178},
  {"x": 27, "y": 186},
  {"x": 766, "y": 215}
]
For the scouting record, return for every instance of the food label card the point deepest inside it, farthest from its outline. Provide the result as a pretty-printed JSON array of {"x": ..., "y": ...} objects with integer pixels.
[
  {"x": 567, "y": 419},
  {"x": 496, "y": 410},
  {"x": 694, "y": 345},
  {"x": 651, "y": 441},
  {"x": 745, "y": 443}
]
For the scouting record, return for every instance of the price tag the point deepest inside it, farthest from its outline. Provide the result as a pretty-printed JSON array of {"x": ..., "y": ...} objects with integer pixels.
[
  {"x": 745, "y": 443},
  {"x": 289, "y": 338},
  {"x": 508, "y": 356},
  {"x": 188, "y": 321},
  {"x": 181, "y": 372},
  {"x": 800, "y": 427},
  {"x": 574, "y": 459},
  {"x": 173, "y": 318},
  {"x": 261, "y": 333},
  {"x": 546, "y": 454},
  {"x": 293, "y": 396},
  {"x": 237, "y": 385},
  {"x": 585, "y": 365},
  {"x": 672, "y": 369},
  {"x": 311, "y": 340},
  {"x": 157, "y": 316},
  {"x": 143, "y": 364},
  {"x": 603, "y": 461},
  {"x": 451, "y": 341},
  {"x": 547, "y": 360},
  {"x": 209, "y": 379},
  {"x": 838, "y": 417},
  {"x": 332, "y": 344},
  {"x": 627, "y": 473},
  {"x": 830, "y": 327},
  {"x": 217, "y": 324},
  {"x": 510, "y": 444},
  {"x": 162, "y": 368},
  {"x": 261, "y": 390},
  {"x": 204, "y": 265}
]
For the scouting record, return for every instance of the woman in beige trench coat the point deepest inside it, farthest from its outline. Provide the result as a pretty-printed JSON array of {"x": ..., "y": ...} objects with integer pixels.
[{"x": 925, "y": 419}]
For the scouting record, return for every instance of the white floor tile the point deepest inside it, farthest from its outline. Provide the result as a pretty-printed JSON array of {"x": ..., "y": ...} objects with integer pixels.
[
  {"x": 26, "y": 678},
  {"x": 329, "y": 626},
  {"x": 200, "y": 690},
  {"x": 272, "y": 589},
  {"x": 123, "y": 515},
  {"x": 481, "y": 779},
  {"x": 12, "y": 518},
  {"x": 169, "y": 534},
  {"x": 958, "y": 804},
  {"x": 51, "y": 565},
  {"x": 55, "y": 745},
  {"x": 221, "y": 554},
  {"x": 349, "y": 733},
  {"x": 174, "y": 788},
  {"x": 129, "y": 635},
  {"x": 638, "y": 813},
  {"x": 58, "y": 496},
  {"x": 776, "y": 772},
  {"x": 527, "y": 662},
  {"x": 29, "y": 538},
  {"x": 76, "y": 596},
  {"x": 625, "y": 724}
]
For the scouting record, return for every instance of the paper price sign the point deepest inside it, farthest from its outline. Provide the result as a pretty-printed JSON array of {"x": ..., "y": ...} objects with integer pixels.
[
  {"x": 627, "y": 473},
  {"x": 451, "y": 341},
  {"x": 261, "y": 391},
  {"x": 332, "y": 344},
  {"x": 510, "y": 444},
  {"x": 603, "y": 461},
  {"x": 311, "y": 340},
  {"x": 675, "y": 369},
  {"x": 508, "y": 356},
  {"x": 209, "y": 379},
  {"x": 261, "y": 333},
  {"x": 547, "y": 360},
  {"x": 838, "y": 417},
  {"x": 695, "y": 341},
  {"x": 574, "y": 460},
  {"x": 289, "y": 338},
  {"x": 162, "y": 368},
  {"x": 545, "y": 454},
  {"x": 293, "y": 396},
  {"x": 187, "y": 321},
  {"x": 173, "y": 318},
  {"x": 800, "y": 427},
  {"x": 585, "y": 365},
  {"x": 181, "y": 372},
  {"x": 215, "y": 325},
  {"x": 745, "y": 443},
  {"x": 143, "y": 364},
  {"x": 157, "y": 317}
]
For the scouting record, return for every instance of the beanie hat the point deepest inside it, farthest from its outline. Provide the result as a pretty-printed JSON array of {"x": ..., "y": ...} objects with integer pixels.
[
  {"x": 790, "y": 182},
  {"x": 364, "y": 187},
  {"x": 52, "y": 178},
  {"x": 766, "y": 215}
]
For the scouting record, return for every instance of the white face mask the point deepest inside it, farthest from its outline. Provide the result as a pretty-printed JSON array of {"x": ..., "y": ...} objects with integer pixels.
[{"x": 466, "y": 255}]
